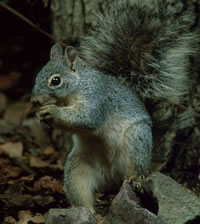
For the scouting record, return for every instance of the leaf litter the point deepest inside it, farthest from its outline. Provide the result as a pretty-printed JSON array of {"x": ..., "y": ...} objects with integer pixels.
[{"x": 31, "y": 166}]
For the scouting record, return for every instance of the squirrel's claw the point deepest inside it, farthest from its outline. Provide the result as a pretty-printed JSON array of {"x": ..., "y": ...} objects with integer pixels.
[{"x": 47, "y": 112}]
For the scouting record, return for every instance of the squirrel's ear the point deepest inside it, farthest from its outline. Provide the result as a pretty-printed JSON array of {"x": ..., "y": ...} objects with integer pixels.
[
  {"x": 71, "y": 56},
  {"x": 56, "y": 50}
]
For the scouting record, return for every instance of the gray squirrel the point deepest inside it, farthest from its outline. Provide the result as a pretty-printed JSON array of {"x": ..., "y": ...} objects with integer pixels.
[{"x": 115, "y": 94}]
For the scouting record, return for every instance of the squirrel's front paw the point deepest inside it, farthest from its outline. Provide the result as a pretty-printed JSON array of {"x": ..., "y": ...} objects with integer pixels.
[{"x": 47, "y": 112}]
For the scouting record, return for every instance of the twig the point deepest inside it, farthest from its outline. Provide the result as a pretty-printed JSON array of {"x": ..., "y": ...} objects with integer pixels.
[
  {"x": 185, "y": 108},
  {"x": 7, "y": 196},
  {"x": 22, "y": 17}
]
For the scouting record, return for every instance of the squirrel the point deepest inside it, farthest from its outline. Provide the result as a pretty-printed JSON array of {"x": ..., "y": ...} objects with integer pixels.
[{"x": 115, "y": 93}]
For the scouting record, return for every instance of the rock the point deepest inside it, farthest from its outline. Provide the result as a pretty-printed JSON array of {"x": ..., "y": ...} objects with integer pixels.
[
  {"x": 125, "y": 209},
  {"x": 73, "y": 215},
  {"x": 177, "y": 204}
]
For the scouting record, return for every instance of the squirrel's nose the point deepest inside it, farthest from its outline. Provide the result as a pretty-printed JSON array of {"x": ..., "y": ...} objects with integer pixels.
[{"x": 42, "y": 100}]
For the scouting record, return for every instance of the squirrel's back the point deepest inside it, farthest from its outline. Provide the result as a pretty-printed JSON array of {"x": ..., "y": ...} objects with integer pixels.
[{"x": 148, "y": 45}]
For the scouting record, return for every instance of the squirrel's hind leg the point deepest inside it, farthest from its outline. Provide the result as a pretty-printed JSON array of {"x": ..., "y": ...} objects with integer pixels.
[
  {"x": 138, "y": 140},
  {"x": 79, "y": 182}
]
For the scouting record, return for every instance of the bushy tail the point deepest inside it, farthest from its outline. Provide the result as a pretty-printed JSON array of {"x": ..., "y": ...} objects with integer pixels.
[{"x": 146, "y": 44}]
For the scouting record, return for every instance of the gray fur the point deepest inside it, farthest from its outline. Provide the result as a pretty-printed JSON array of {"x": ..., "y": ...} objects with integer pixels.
[{"x": 146, "y": 44}]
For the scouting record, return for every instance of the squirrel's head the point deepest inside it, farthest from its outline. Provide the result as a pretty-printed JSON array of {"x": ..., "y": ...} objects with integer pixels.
[{"x": 58, "y": 78}]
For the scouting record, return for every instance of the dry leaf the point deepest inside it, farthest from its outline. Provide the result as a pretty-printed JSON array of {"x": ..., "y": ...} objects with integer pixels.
[
  {"x": 5, "y": 128},
  {"x": 10, "y": 220},
  {"x": 16, "y": 199},
  {"x": 13, "y": 149},
  {"x": 38, "y": 218},
  {"x": 59, "y": 165},
  {"x": 16, "y": 112},
  {"x": 37, "y": 162},
  {"x": 49, "y": 150},
  {"x": 25, "y": 217},
  {"x": 100, "y": 219},
  {"x": 3, "y": 102},
  {"x": 48, "y": 182},
  {"x": 10, "y": 171},
  {"x": 28, "y": 178},
  {"x": 24, "y": 213},
  {"x": 9, "y": 80},
  {"x": 42, "y": 200}
]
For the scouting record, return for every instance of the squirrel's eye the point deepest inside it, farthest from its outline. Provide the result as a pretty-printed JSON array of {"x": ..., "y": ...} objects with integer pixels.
[{"x": 55, "y": 81}]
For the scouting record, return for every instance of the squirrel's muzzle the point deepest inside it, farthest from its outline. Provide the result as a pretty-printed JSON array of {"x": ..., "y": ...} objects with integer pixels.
[{"x": 42, "y": 100}]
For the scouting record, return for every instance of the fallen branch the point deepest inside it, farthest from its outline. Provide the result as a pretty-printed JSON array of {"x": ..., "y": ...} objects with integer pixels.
[{"x": 22, "y": 17}]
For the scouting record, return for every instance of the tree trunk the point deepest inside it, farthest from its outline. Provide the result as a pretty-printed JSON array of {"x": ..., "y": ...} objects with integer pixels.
[{"x": 71, "y": 19}]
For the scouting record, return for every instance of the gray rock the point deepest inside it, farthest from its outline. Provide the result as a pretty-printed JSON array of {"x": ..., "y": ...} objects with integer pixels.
[
  {"x": 177, "y": 204},
  {"x": 125, "y": 209},
  {"x": 70, "y": 216}
]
